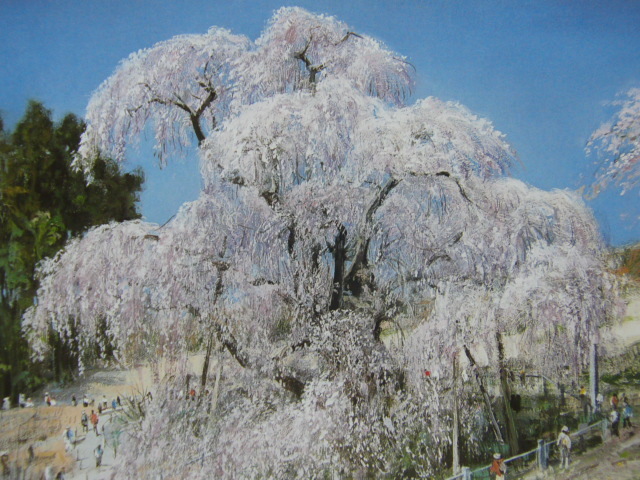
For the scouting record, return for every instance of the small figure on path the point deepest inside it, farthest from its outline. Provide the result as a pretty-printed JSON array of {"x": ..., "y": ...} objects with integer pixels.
[
  {"x": 85, "y": 401},
  {"x": 615, "y": 422},
  {"x": 6, "y": 469},
  {"x": 84, "y": 420},
  {"x": 584, "y": 400},
  {"x": 98, "y": 454},
  {"x": 68, "y": 438},
  {"x": 48, "y": 473},
  {"x": 614, "y": 401},
  {"x": 114, "y": 404},
  {"x": 498, "y": 468},
  {"x": 627, "y": 413},
  {"x": 564, "y": 445},
  {"x": 599, "y": 400},
  {"x": 94, "y": 422},
  {"x": 74, "y": 402}
]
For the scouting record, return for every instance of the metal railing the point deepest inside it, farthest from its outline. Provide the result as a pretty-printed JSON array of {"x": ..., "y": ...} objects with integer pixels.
[{"x": 538, "y": 458}]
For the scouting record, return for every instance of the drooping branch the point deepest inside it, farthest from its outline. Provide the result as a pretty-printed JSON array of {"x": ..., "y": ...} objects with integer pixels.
[
  {"x": 194, "y": 115},
  {"x": 230, "y": 343}
]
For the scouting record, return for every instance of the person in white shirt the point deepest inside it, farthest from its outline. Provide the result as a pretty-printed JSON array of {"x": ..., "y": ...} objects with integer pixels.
[{"x": 564, "y": 445}]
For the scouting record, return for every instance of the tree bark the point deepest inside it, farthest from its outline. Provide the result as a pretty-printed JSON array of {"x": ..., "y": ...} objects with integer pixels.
[
  {"x": 343, "y": 279},
  {"x": 205, "y": 367},
  {"x": 339, "y": 251},
  {"x": 229, "y": 342},
  {"x": 351, "y": 281},
  {"x": 216, "y": 386},
  {"x": 485, "y": 395},
  {"x": 197, "y": 129}
]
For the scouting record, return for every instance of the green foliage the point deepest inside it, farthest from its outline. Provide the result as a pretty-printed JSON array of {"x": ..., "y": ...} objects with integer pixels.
[
  {"x": 629, "y": 376},
  {"x": 43, "y": 202},
  {"x": 281, "y": 329}
]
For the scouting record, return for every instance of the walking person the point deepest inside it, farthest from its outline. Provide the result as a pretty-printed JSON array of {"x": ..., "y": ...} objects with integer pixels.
[
  {"x": 6, "y": 468},
  {"x": 627, "y": 413},
  {"x": 564, "y": 446},
  {"x": 84, "y": 420},
  {"x": 614, "y": 401},
  {"x": 498, "y": 468},
  {"x": 69, "y": 439},
  {"x": 615, "y": 422},
  {"x": 94, "y": 422},
  {"x": 98, "y": 454}
]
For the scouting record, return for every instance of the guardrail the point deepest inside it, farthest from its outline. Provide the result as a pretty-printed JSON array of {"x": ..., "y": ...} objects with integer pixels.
[
  {"x": 538, "y": 458},
  {"x": 521, "y": 464}
]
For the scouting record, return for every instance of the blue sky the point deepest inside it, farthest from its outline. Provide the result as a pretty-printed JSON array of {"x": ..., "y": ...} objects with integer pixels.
[{"x": 541, "y": 71}]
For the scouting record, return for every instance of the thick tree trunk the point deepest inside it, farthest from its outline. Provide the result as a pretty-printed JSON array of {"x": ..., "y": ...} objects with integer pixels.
[
  {"x": 197, "y": 129},
  {"x": 485, "y": 395},
  {"x": 339, "y": 258},
  {"x": 512, "y": 431},
  {"x": 352, "y": 279}
]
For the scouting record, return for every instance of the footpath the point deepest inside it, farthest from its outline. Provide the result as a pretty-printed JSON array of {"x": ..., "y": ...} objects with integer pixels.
[
  {"x": 616, "y": 459},
  {"x": 83, "y": 452}
]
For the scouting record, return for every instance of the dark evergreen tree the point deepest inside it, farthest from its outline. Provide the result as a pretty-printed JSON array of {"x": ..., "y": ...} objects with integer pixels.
[{"x": 44, "y": 201}]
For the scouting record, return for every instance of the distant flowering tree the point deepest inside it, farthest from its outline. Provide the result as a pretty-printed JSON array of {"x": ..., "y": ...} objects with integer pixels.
[
  {"x": 618, "y": 144},
  {"x": 342, "y": 244}
]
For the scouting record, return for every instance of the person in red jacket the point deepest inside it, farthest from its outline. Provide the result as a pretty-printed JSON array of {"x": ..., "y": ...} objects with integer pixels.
[
  {"x": 94, "y": 422},
  {"x": 498, "y": 468}
]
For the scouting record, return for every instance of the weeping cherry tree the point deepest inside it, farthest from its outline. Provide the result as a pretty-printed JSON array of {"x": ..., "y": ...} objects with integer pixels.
[{"x": 343, "y": 243}]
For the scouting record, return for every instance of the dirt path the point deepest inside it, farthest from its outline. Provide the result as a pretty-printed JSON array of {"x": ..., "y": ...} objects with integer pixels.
[
  {"x": 616, "y": 459},
  {"x": 33, "y": 437},
  {"x": 85, "y": 467}
]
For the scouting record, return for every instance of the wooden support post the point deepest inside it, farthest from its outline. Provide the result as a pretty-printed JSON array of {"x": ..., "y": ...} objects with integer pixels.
[
  {"x": 593, "y": 376},
  {"x": 466, "y": 471},
  {"x": 543, "y": 460},
  {"x": 456, "y": 427}
]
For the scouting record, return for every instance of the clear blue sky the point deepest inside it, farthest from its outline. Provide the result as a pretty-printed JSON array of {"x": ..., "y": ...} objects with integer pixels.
[{"x": 540, "y": 70}]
